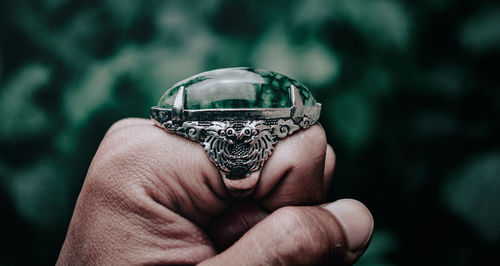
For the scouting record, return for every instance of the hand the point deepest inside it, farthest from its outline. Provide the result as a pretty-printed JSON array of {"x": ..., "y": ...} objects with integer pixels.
[{"x": 151, "y": 197}]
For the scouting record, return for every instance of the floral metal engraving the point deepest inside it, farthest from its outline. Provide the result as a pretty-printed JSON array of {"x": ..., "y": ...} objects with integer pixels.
[{"x": 236, "y": 148}]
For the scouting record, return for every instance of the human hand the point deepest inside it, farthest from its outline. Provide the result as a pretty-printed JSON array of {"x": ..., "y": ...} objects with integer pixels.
[{"x": 155, "y": 198}]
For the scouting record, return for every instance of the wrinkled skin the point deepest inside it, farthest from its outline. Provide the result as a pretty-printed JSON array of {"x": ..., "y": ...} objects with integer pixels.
[{"x": 155, "y": 198}]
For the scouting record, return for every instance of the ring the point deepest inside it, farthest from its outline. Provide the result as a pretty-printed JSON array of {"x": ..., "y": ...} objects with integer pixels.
[{"x": 237, "y": 115}]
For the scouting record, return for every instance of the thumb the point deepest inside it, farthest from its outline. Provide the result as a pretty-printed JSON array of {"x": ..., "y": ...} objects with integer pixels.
[{"x": 336, "y": 233}]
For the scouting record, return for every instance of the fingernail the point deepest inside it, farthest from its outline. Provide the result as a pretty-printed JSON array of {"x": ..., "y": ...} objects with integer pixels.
[{"x": 355, "y": 219}]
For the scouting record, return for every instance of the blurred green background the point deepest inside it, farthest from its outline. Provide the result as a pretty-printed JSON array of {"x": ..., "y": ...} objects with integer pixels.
[{"x": 410, "y": 94}]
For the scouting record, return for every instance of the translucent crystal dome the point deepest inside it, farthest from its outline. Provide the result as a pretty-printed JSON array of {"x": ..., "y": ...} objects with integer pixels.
[{"x": 237, "y": 88}]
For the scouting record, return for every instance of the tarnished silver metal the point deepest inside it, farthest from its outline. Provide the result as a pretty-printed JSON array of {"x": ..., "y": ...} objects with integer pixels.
[{"x": 238, "y": 141}]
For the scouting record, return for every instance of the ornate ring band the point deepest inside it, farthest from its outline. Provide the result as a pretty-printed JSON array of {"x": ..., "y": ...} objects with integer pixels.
[{"x": 238, "y": 115}]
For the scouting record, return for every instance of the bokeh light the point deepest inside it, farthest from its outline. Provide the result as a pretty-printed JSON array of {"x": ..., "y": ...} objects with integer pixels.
[{"x": 410, "y": 93}]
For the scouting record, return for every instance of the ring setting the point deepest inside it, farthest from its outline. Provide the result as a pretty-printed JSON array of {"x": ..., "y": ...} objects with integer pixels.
[{"x": 237, "y": 115}]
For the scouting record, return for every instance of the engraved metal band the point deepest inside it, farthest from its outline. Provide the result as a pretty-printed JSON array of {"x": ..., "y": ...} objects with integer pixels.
[{"x": 238, "y": 141}]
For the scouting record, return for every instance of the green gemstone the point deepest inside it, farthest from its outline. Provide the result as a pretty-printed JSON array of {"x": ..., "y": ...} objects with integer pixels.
[{"x": 237, "y": 88}]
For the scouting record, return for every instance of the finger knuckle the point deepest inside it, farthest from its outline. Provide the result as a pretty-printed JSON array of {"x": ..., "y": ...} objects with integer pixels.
[
  {"x": 317, "y": 136},
  {"x": 120, "y": 156},
  {"x": 122, "y": 123}
]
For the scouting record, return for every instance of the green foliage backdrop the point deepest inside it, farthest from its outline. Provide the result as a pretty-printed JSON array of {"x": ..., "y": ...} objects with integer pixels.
[{"x": 410, "y": 91}]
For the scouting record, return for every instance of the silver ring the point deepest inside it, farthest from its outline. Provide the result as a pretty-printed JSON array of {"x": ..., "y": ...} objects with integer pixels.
[{"x": 237, "y": 115}]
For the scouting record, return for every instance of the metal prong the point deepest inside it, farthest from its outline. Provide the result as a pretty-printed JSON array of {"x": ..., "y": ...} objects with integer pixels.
[
  {"x": 178, "y": 108},
  {"x": 297, "y": 104}
]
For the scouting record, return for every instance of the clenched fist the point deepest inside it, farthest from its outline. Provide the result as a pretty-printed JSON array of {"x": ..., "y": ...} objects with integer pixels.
[{"x": 155, "y": 198}]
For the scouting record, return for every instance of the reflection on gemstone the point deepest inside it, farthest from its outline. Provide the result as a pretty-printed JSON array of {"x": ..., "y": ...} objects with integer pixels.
[{"x": 237, "y": 88}]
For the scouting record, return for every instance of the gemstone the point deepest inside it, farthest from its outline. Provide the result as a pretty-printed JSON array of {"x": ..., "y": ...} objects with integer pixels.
[{"x": 237, "y": 88}]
